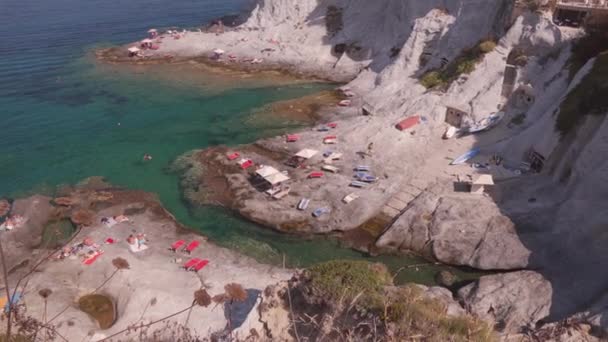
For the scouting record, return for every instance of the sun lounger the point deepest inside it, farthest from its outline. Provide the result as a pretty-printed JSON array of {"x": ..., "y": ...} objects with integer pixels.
[
  {"x": 323, "y": 129},
  {"x": 350, "y": 197},
  {"x": 90, "y": 260},
  {"x": 330, "y": 137},
  {"x": 233, "y": 156},
  {"x": 190, "y": 263},
  {"x": 316, "y": 174},
  {"x": 293, "y": 137},
  {"x": 330, "y": 141},
  {"x": 357, "y": 184},
  {"x": 191, "y": 246},
  {"x": 362, "y": 168},
  {"x": 344, "y": 103},
  {"x": 332, "y": 125},
  {"x": 330, "y": 168},
  {"x": 177, "y": 245},
  {"x": 320, "y": 211},
  {"x": 200, "y": 265},
  {"x": 109, "y": 241},
  {"x": 303, "y": 204},
  {"x": 368, "y": 179},
  {"x": 246, "y": 164}
]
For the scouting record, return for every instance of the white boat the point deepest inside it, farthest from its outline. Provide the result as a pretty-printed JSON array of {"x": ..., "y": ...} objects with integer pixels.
[
  {"x": 303, "y": 204},
  {"x": 487, "y": 123},
  {"x": 350, "y": 197},
  {"x": 330, "y": 168}
]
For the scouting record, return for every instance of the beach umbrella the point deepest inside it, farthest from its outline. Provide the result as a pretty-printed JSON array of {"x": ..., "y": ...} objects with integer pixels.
[
  {"x": 5, "y": 207},
  {"x": 152, "y": 30},
  {"x": 219, "y": 51}
]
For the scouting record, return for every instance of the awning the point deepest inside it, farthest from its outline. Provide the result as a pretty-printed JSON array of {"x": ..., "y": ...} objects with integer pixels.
[
  {"x": 133, "y": 49},
  {"x": 276, "y": 178},
  {"x": 219, "y": 51},
  {"x": 266, "y": 171},
  {"x": 306, "y": 153}
]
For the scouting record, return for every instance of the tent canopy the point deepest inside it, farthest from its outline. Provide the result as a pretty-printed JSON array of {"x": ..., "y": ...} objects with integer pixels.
[
  {"x": 266, "y": 171},
  {"x": 306, "y": 153},
  {"x": 133, "y": 49},
  {"x": 272, "y": 175},
  {"x": 276, "y": 178},
  {"x": 484, "y": 180}
]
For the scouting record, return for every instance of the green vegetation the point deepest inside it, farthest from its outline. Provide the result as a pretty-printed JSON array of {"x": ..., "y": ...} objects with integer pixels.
[
  {"x": 346, "y": 279},
  {"x": 405, "y": 310},
  {"x": 415, "y": 314},
  {"x": 587, "y": 98},
  {"x": 463, "y": 64}
]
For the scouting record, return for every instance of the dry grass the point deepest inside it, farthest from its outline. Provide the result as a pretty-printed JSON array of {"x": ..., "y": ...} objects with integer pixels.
[
  {"x": 414, "y": 314},
  {"x": 346, "y": 279}
]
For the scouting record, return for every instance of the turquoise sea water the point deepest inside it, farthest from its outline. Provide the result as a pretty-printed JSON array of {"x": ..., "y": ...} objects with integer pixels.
[{"x": 66, "y": 117}]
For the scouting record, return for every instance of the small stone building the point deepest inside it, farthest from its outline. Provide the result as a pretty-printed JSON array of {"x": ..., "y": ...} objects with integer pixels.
[
  {"x": 455, "y": 115},
  {"x": 524, "y": 96},
  {"x": 478, "y": 186}
]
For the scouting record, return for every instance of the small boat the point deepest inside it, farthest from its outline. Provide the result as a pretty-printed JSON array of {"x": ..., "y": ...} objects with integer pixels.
[
  {"x": 320, "y": 211},
  {"x": 487, "y": 123},
  {"x": 303, "y": 204},
  {"x": 463, "y": 158},
  {"x": 330, "y": 168},
  {"x": 357, "y": 184},
  {"x": 368, "y": 179},
  {"x": 350, "y": 197}
]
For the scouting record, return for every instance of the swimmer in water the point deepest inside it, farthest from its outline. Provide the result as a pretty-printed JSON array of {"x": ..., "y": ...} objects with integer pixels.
[{"x": 147, "y": 157}]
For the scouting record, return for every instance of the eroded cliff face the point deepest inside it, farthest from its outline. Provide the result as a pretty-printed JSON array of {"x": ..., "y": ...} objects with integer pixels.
[{"x": 552, "y": 221}]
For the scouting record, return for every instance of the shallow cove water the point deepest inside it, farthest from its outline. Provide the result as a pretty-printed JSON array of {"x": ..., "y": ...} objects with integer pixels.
[{"x": 67, "y": 117}]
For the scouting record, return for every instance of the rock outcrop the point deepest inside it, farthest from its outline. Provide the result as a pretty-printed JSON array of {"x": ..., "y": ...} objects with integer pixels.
[
  {"x": 512, "y": 300},
  {"x": 458, "y": 230}
]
